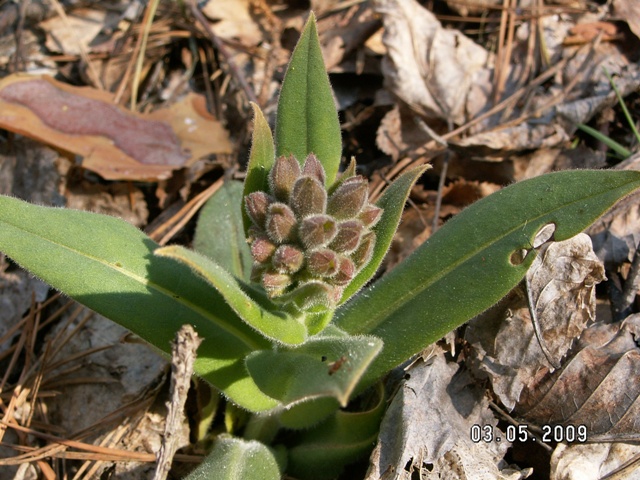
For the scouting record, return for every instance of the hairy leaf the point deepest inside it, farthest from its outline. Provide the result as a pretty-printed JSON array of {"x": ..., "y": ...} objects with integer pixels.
[
  {"x": 261, "y": 159},
  {"x": 471, "y": 262},
  {"x": 110, "y": 266},
  {"x": 307, "y": 119},
  {"x": 236, "y": 459},
  {"x": 321, "y": 367},
  {"x": 323, "y": 451},
  {"x": 220, "y": 234},
  {"x": 275, "y": 325}
]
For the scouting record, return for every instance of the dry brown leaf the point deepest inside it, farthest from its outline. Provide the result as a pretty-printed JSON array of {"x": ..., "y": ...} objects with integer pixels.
[
  {"x": 588, "y": 32},
  {"x": 629, "y": 11},
  {"x": 78, "y": 30},
  {"x": 504, "y": 341},
  {"x": 233, "y": 21},
  {"x": 431, "y": 414},
  {"x": 599, "y": 387},
  {"x": 561, "y": 283},
  {"x": 617, "y": 233},
  {"x": 435, "y": 70},
  {"x": 114, "y": 142},
  {"x": 593, "y": 461},
  {"x": 341, "y": 36}
]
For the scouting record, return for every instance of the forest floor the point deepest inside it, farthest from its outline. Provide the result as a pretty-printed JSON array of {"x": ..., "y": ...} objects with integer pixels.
[{"x": 488, "y": 92}]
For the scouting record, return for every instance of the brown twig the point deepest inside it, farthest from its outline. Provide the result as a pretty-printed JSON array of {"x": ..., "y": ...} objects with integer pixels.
[{"x": 183, "y": 356}]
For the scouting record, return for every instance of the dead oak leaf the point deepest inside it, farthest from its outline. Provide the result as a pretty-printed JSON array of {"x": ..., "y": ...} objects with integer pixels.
[
  {"x": 599, "y": 387},
  {"x": 505, "y": 345},
  {"x": 115, "y": 143}
]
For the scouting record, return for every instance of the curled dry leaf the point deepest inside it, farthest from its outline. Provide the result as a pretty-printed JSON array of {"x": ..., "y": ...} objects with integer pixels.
[
  {"x": 438, "y": 71},
  {"x": 562, "y": 280},
  {"x": 431, "y": 416},
  {"x": 629, "y": 11},
  {"x": 561, "y": 284},
  {"x": 617, "y": 233},
  {"x": 115, "y": 143},
  {"x": 599, "y": 387},
  {"x": 594, "y": 461}
]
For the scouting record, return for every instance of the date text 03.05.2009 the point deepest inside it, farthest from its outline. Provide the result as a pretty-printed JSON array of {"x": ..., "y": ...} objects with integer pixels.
[{"x": 520, "y": 433}]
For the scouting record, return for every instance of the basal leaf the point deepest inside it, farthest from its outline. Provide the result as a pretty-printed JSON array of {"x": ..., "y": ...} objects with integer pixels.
[
  {"x": 220, "y": 234},
  {"x": 274, "y": 324},
  {"x": 469, "y": 264},
  {"x": 110, "y": 266},
  {"x": 307, "y": 119},
  {"x": 237, "y": 459},
  {"x": 261, "y": 159},
  {"x": 321, "y": 367},
  {"x": 392, "y": 202},
  {"x": 324, "y": 450}
]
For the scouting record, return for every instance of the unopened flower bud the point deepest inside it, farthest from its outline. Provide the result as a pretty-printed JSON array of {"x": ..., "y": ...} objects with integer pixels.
[
  {"x": 256, "y": 205},
  {"x": 348, "y": 237},
  {"x": 287, "y": 259},
  {"x": 313, "y": 168},
  {"x": 308, "y": 197},
  {"x": 314, "y": 296},
  {"x": 281, "y": 223},
  {"x": 322, "y": 263},
  {"x": 347, "y": 201},
  {"x": 275, "y": 283},
  {"x": 262, "y": 249},
  {"x": 364, "y": 252},
  {"x": 282, "y": 176},
  {"x": 370, "y": 215},
  {"x": 317, "y": 230},
  {"x": 346, "y": 272}
]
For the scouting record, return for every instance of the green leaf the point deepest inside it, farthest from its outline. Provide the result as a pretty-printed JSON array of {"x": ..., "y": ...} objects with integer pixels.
[
  {"x": 307, "y": 119},
  {"x": 236, "y": 459},
  {"x": 321, "y": 367},
  {"x": 468, "y": 265},
  {"x": 392, "y": 202},
  {"x": 261, "y": 159},
  {"x": 274, "y": 324},
  {"x": 220, "y": 233},
  {"x": 110, "y": 266},
  {"x": 323, "y": 451}
]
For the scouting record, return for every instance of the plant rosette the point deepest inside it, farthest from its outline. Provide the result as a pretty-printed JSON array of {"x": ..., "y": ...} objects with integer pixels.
[{"x": 279, "y": 286}]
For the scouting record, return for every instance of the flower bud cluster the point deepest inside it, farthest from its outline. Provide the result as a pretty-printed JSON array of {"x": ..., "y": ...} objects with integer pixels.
[{"x": 308, "y": 244}]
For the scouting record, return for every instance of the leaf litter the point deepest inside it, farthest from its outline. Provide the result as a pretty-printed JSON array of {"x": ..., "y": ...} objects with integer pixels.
[{"x": 488, "y": 95}]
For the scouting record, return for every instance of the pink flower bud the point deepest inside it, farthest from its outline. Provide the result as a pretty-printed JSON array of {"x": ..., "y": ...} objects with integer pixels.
[
  {"x": 283, "y": 174},
  {"x": 275, "y": 283},
  {"x": 346, "y": 272},
  {"x": 370, "y": 215},
  {"x": 313, "y": 168},
  {"x": 308, "y": 197},
  {"x": 256, "y": 205},
  {"x": 322, "y": 263},
  {"x": 348, "y": 237},
  {"x": 262, "y": 249},
  {"x": 317, "y": 230},
  {"x": 281, "y": 223},
  {"x": 287, "y": 259},
  {"x": 349, "y": 199},
  {"x": 364, "y": 252}
]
